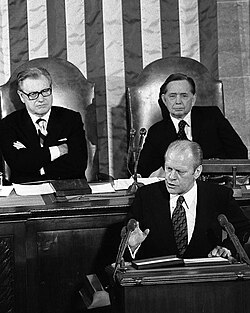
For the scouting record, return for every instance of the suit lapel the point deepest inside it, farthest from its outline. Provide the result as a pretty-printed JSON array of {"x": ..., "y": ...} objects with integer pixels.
[{"x": 30, "y": 128}]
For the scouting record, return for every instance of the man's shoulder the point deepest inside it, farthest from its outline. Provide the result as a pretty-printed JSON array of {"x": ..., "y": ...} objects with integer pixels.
[
  {"x": 64, "y": 112},
  {"x": 213, "y": 188},
  {"x": 15, "y": 115},
  {"x": 206, "y": 110}
]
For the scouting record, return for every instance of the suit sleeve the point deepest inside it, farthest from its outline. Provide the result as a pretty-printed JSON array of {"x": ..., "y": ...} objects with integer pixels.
[
  {"x": 30, "y": 159},
  {"x": 233, "y": 145}
]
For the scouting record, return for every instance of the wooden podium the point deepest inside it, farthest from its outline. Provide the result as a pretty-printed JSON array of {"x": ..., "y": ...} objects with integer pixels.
[{"x": 199, "y": 289}]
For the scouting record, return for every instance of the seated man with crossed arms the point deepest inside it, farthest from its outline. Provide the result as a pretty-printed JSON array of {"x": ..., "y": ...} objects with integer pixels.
[
  {"x": 42, "y": 141},
  {"x": 157, "y": 208}
]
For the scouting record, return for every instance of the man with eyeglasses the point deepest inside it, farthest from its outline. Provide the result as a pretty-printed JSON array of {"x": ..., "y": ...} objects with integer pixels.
[
  {"x": 178, "y": 216},
  {"x": 183, "y": 120},
  {"x": 42, "y": 141}
]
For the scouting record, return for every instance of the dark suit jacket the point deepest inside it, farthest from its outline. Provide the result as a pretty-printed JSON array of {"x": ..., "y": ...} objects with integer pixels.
[
  {"x": 210, "y": 129},
  {"x": 26, "y": 163},
  {"x": 151, "y": 209}
]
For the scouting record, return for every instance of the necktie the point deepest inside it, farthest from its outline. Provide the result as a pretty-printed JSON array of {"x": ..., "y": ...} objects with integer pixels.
[
  {"x": 42, "y": 132},
  {"x": 179, "y": 222},
  {"x": 181, "y": 133}
]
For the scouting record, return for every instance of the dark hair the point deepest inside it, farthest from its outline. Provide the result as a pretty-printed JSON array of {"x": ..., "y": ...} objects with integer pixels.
[
  {"x": 192, "y": 146},
  {"x": 171, "y": 78},
  {"x": 33, "y": 72}
]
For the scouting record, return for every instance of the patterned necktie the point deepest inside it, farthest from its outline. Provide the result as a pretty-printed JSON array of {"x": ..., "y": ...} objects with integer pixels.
[
  {"x": 179, "y": 222},
  {"x": 42, "y": 132},
  {"x": 181, "y": 133}
]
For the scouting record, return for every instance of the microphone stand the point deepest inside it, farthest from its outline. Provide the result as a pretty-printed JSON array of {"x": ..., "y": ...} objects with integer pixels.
[
  {"x": 243, "y": 257},
  {"x": 136, "y": 185}
]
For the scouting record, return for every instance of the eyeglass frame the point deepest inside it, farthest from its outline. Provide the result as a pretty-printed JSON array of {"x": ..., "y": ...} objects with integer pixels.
[{"x": 37, "y": 93}]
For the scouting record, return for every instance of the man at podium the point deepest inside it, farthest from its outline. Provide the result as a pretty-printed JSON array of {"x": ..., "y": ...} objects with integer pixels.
[{"x": 179, "y": 216}]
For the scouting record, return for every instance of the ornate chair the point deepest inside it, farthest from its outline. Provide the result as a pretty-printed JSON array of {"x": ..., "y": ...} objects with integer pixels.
[
  {"x": 71, "y": 90},
  {"x": 142, "y": 98}
]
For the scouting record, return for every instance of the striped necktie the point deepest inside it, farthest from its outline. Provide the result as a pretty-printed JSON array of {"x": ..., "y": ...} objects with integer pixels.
[
  {"x": 179, "y": 221},
  {"x": 181, "y": 133},
  {"x": 42, "y": 132}
]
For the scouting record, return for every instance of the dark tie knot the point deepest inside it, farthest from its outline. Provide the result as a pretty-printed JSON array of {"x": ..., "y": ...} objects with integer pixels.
[
  {"x": 180, "y": 200},
  {"x": 182, "y": 124},
  {"x": 40, "y": 120}
]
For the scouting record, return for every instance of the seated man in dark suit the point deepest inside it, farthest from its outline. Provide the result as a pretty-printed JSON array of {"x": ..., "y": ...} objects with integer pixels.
[
  {"x": 205, "y": 125},
  {"x": 42, "y": 141},
  {"x": 156, "y": 206}
]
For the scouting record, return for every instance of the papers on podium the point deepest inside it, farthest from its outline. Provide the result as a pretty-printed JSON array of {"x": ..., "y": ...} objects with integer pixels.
[{"x": 172, "y": 261}]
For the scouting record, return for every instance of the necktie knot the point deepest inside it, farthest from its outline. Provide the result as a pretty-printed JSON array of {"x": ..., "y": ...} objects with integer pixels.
[
  {"x": 180, "y": 200},
  {"x": 181, "y": 133},
  {"x": 42, "y": 132}
]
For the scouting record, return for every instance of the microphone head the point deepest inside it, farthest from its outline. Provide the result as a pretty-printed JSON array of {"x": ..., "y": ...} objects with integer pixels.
[
  {"x": 132, "y": 223},
  {"x": 143, "y": 131},
  {"x": 222, "y": 220},
  {"x": 132, "y": 132}
]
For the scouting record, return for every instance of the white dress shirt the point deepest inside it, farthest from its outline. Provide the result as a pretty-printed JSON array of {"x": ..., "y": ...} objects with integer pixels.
[{"x": 187, "y": 128}]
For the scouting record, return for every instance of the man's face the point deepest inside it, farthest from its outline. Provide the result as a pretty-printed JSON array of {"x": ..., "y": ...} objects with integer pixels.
[
  {"x": 42, "y": 104},
  {"x": 178, "y": 98},
  {"x": 180, "y": 174}
]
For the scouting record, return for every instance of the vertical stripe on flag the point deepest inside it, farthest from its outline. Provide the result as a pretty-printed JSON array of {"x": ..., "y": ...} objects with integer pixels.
[
  {"x": 132, "y": 39},
  {"x": 208, "y": 35},
  {"x": 151, "y": 31},
  {"x": 18, "y": 32},
  {"x": 96, "y": 73},
  {"x": 57, "y": 29},
  {"x": 4, "y": 43},
  {"x": 189, "y": 29},
  {"x": 115, "y": 74},
  {"x": 37, "y": 28},
  {"x": 75, "y": 34}
]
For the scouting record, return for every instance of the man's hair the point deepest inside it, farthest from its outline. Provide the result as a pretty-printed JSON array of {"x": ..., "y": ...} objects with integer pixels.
[
  {"x": 176, "y": 77},
  {"x": 33, "y": 72},
  {"x": 163, "y": 89},
  {"x": 183, "y": 145}
]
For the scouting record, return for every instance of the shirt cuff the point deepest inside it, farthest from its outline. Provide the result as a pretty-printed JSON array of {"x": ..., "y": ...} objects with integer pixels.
[
  {"x": 133, "y": 253},
  {"x": 54, "y": 152}
]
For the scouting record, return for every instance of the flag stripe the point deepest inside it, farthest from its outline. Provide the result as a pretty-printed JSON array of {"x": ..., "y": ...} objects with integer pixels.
[
  {"x": 37, "y": 24},
  {"x": 114, "y": 69},
  {"x": 4, "y": 40},
  {"x": 189, "y": 29},
  {"x": 96, "y": 73},
  {"x": 18, "y": 31},
  {"x": 57, "y": 29},
  {"x": 151, "y": 31},
  {"x": 132, "y": 40},
  {"x": 170, "y": 28},
  {"x": 75, "y": 34},
  {"x": 208, "y": 35}
]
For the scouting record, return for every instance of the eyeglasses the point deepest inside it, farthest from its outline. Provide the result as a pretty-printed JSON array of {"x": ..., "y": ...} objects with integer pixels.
[{"x": 35, "y": 94}]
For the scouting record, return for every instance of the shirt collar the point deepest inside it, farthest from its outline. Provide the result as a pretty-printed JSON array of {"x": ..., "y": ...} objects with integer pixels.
[
  {"x": 188, "y": 196},
  {"x": 34, "y": 117},
  {"x": 187, "y": 119}
]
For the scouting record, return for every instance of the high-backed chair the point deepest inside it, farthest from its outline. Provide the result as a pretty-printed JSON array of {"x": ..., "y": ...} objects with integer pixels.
[
  {"x": 142, "y": 97},
  {"x": 70, "y": 90}
]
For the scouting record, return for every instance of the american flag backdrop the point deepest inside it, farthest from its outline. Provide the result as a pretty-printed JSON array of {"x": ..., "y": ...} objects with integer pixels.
[{"x": 110, "y": 41}]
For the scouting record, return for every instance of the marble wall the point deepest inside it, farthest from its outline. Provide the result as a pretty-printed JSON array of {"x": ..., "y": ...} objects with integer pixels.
[{"x": 234, "y": 63}]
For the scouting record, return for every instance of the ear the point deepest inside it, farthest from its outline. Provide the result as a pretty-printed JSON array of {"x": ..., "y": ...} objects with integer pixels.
[
  {"x": 163, "y": 98},
  {"x": 197, "y": 172},
  {"x": 194, "y": 99},
  {"x": 20, "y": 95}
]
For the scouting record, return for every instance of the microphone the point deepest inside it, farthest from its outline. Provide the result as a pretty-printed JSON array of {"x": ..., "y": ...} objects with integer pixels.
[
  {"x": 134, "y": 187},
  {"x": 143, "y": 133},
  {"x": 131, "y": 148},
  {"x": 131, "y": 226},
  {"x": 224, "y": 223}
]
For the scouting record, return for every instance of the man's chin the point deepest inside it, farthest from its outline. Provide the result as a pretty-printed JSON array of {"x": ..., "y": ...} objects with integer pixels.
[{"x": 172, "y": 189}]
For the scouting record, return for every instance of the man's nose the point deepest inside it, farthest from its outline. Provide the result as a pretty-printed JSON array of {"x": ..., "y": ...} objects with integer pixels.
[
  {"x": 178, "y": 98},
  {"x": 172, "y": 174},
  {"x": 40, "y": 97}
]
